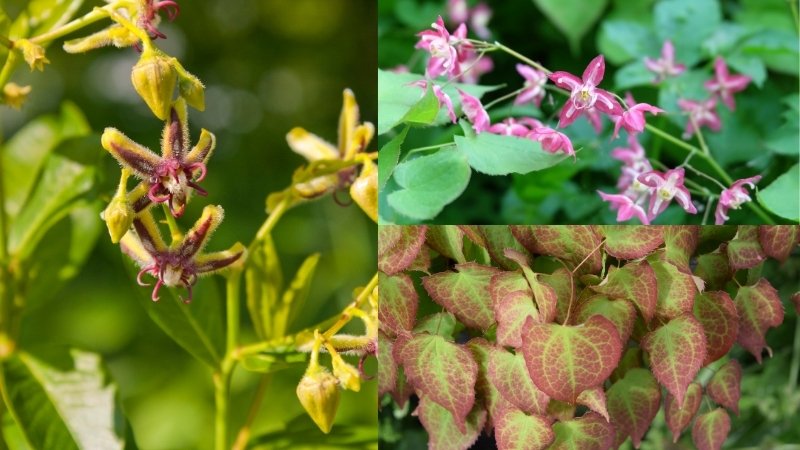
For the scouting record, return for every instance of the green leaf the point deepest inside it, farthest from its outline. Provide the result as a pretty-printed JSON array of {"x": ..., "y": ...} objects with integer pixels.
[
  {"x": 398, "y": 246},
  {"x": 274, "y": 361},
  {"x": 446, "y": 432},
  {"x": 632, "y": 75},
  {"x": 515, "y": 430},
  {"x": 676, "y": 290},
  {"x": 711, "y": 429},
  {"x": 464, "y": 293},
  {"x": 494, "y": 154},
  {"x": 448, "y": 241},
  {"x": 744, "y": 250},
  {"x": 621, "y": 41},
  {"x": 687, "y": 23},
  {"x": 573, "y": 18},
  {"x": 760, "y": 309},
  {"x": 296, "y": 294},
  {"x": 633, "y": 402},
  {"x": 387, "y": 366},
  {"x": 441, "y": 324},
  {"x": 264, "y": 283},
  {"x": 423, "y": 112},
  {"x": 45, "y": 15},
  {"x": 302, "y": 433},
  {"x": 588, "y": 432},
  {"x": 497, "y": 239},
  {"x": 388, "y": 157},
  {"x": 512, "y": 301},
  {"x": 430, "y": 182},
  {"x": 782, "y": 197},
  {"x": 749, "y": 65},
  {"x": 620, "y": 312},
  {"x": 635, "y": 282},
  {"x": 680, "y": 418},
  {"x": 62, "y": 410},
  {"x": 680, "y": 243}
]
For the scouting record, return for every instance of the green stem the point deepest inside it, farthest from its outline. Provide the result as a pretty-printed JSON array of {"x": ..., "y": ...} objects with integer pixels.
[
  {"x": 174, "y": 229},
  {"x": 522, "y": 58},
  {"x": 794, "y": 366},
  {"x": 244, "y": 433},
  {"x": 666, "y": 136},
  {"x": 345, "y": 318},
  {"x": 430, "y": 147},
  {"x": 271, "y": 221},
  {"x": 795, "y": 15},
  {"x": 505, "y": 97},
  {"x": 232, "y": 288},
  {"x": 8, "y": 67},
  {"x": 75, "y": 25},
  {"x": 222, "y": 378}
]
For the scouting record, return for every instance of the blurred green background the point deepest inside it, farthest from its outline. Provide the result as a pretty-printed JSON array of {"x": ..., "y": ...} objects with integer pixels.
[{"x": 268, "y": 66}]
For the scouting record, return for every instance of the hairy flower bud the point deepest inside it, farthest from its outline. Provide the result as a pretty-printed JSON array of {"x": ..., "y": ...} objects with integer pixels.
[
  {"x": 33, "y": 54},
  {"x": 192, "y": 90},
  {"x": 318, "y": 392},
  {"x": 119, "y": 214},
  {"x": 154, "y": 77},
  {"x": 365, "y": 190}
]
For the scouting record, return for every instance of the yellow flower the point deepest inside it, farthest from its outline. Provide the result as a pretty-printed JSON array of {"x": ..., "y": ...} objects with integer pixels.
[
  {"x": 33, "y": 54},
  {"x": 15, "y": 95}
]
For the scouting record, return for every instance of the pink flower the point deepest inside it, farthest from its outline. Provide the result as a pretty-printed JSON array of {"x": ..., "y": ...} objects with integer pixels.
[
  {"x": 633, "y": 119},
  {"x": 444, "y": 48},
  {"x": 474, "y": 66},
  {"x": 552, "y": 141},
  {"x": 665, "y": 187},
  {"x": 457, "y": 11},
  {"x": 584, "y": 92},
  {"x": 626, "y": 207},
  {"x": 444, "y": 99},
  {"x": 509, "y": 127},
  {"x": 733, "y": 197},
  {"x": 634, "y": 160},
  {"x": 534, "y": 85},
  {"x": 595, "y": 119},
  {"x": 530, "y": 122},
  {"x": 724, "y": 84},
  {"x": 665, "y": 66},
  {"x": 479, "y": 20},
  {"x": 703, "y": 113},
  {"x": 474, "y": 111}
]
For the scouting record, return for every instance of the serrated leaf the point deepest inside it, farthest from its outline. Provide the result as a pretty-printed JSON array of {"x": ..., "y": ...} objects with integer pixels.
[
  {"x": 635, "y": 282},
  {"x": 759, "y": 309},
  {"x": 447, "y": 240},
  {"x": 398, "y": 246},
  {"x": 680, "y": 243},
  {"x": 557, "y": 355},
  {"x": 492, "y": 399},
  {"x": 778, "y": 241},
  {"x": 422, "y": 263},
  {"x": 465, "y": 293},
  {"x": 444, "y": 372},
  {"x": 724, "y": 387},
  {"x": 595, "y": 400},
  {"x": 711, "y": 429},
  {"x": 714, "y": 269},
  {"x": 589, "y": 432},
  {"x": 512, "y": 303},
  {"x": 397, "y": 309},
  {"x": 677, "y": 351},
  {"x": 509, "y": 375},
  {"x": 621, "y": 313},
  {"x": 516, "y": 430},
  {"x": 781, "y": 196},
  {"x": 443, "y": 324},
  {"x": 572, "y": 17},
  {"x": 717, "y": 314},
  {"x": 676, "y": 290},
  {"x": 446, "y": 432},
  {"x": 632, "y": 241},
  {"x": 744, "y": 251},
  {"x": 497, "y": 239},
  {"x": 680, "y": 418},
  {"x": 544, "y": 295},
  {"x": 572, "y": 244},
  {"x": 495, "y": 154},
  {"x": 633, "y": 402},
  {"x": 387, "y": 367}
]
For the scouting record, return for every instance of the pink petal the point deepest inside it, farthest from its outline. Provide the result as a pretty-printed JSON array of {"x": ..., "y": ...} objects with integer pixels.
[
  {"x": 527, "y": 72},
  {"x": 720, "y": 68},
  {"x": 652, "y": 179},
  {"x": 525, "y": 96},
  {"x": 568, "y": 114},
  {"x": 566, "y": 80},
  {"x": 607, "y": 103},
  {"x": 594, "y": 71},
  {"x": 668, "y": 51},
  {"x": 736, "y": 83},
  {"x": 685, "y": 200},
  {"x": 721, "y": 214}
]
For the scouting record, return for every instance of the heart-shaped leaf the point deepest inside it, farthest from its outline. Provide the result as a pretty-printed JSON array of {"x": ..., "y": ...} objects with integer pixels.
[
  {"x": 495, "y": 154},
  {"x": 494, "y": 402},
  {"x": 620, "y": 312},
  {"x": 680, "y": 243},
  {"x": 724, "y": 387},
  {"x": 680, "y": 418},
  {"x": 497, "y": 239},
  {"x": 507, "y": 372},
  {"x": 714, "y": 269},
  {"x": 744, "y": 251},
  {"x": 595, "y": 400},
  {"x": 778, "y": 241},
  {"x": 635, "y": 282},
  {"x": 516, "y": 430},
  {"x": 446, "y": 432},
  {"x": 759, "y": 309},
  {"x": 572, "y": 17},
  {"x": 448, "y": 241},
  {"x": 465, "y": 293},
  {"x": 717, "y": 313},
  {"x": 398, "y": 246},
  {"x": 387, "y": 367},
  {"x": 572, "y": 244},
  {"x": 711, "y": 429},
  {"x": 397, "y": 310},
  {"x": 676, "y": 290},
  {"x": 632, "y": 241},
  {"x": 589, "y": 432},
  {"x": 512, "y": 302},
  {"x": 633, "y": 402},
  {"x": 544, "y": 295}
]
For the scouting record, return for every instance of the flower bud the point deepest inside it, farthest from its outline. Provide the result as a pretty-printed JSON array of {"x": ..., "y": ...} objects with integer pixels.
[
  {"x": 119, "y": 214},
  {"x": 33, "y": 54},
  {"x": 365, "y": 190},
  {"x": 318, "y": 392},
  {"x": 15, "y": 95},
  {"x": 192, "y": 90},
  {"x": 154, "y": 78}
]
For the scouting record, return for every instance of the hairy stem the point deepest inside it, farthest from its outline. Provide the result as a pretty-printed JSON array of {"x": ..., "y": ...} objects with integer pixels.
[
  {"x": 8, "y": 68},
  {"x": 174, "y": 230},
  {"x": 74, "y": 25},
  {"x": 345, "y": 317},
  {"x": 245, "y": 431}
]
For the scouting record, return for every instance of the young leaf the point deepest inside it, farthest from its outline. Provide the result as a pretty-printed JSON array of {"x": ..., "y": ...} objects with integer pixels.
[
  {"x": 444, "y": 431},
  {"x": 680, "y": 418},
  {"x": 495, "y": 154},
  {"x": 424, "y": 111},
  {"x": 398, "y": 246},
  {"x": 388, "y": 157},
  {"x": 677, "y": 351},
  {"x": 444, "y": 372},
  {"x": 711, "y": 429},
  {"x": 295, "y": 295},
  {"x": 572, "y": 17},
  {"x": 632, "y": 241},
  {"x": 717, "y": 314},
  {"x": 744, "y": 251},
  {"x": 545, "y": 296},
  {"x": 590, "y": 432},
  {"x": 676, "y": 290},
  {"x": 516, "y": 430},
  {"x": 572, "y": 244},
  {"x": 512, "y": 303},
  {"x": 724, "y": 387},
  {"x": 497, "y": 239},
  {"x": 680, "y": 243},
  {"x": 621, "y": 313},
  {"x": 714, "y": 269},
  {"x": 508, "y": 374},
  {"x": 557, "y": 355},
  {"x": 778, "y": 241},
  {"x": 595, "y": 400},
  {"x": 387, "y": 367},
  {"x": 464, "y": 293},
  {"x": 633, "y": 402},
  {"x": 635, "y": 282},
  {"x": 442, "y": 324},
  {"x": 397, "y": 310},
  {"x": 447, "y": 241},
  {"x": 759, "y": 309},
  {"x": 563, "y": 283}
]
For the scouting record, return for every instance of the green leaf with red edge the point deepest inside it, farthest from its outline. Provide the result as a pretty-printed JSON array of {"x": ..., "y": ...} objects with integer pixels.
[
  {"x": 465, "y": 293},
  {"x": 492, "y": 399},
  {"x": 633, "y": 402},
  {"x": 759, "y": 309},
  {"x": 444, "y": 372},
  {"x": 621, "y": 313},
  {"x": 680, "y": 243},
  {"x": 571, "y": 244},
  {"x": 676, "y": 290},
  {"x": 595, "y": 400},
  {"x": 473, "y": 233},
  {"x": 497, "y": 239},
  {"x": 717, "y": 314},
  {"x": 714, "y": 269},
  {"x": 677, "y": 350},
  {"x": 387, "y": 368},
  {"x": 444, "y": 430},
  {"x": 447, "y": 241},
  {"x": 680, "y": 418},
  {"x": 507, "y": 372},
  {"x": 711, "y": 429},
  {"x": 561, "y": 411},
  {"x": 397, "y": 309},
  {"x": 725, "y": 386},
  {"x": 512, "y": 302},
  {"x": 557, "y": 355},
  {"x": 398, "y": 246},
  {"x": 631, "y": 359},
  {"x": 563, "y": 283},
  {"x": 635, "y": 282},
  {"x": 589, "y": 432},
  {"x": 778, "y": 241},
  {"x": 744, "y": 251},
  {"x": 403, "y": 392},
  {"x": 544, "y": 295},
  {"x": 631, "y": 241},
  {"x": 443, "y": 324},
  {"x": 515, "y": 430},
  {"x": 422, "y": 263}
]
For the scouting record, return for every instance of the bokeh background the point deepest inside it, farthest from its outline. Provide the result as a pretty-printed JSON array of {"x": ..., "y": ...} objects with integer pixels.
[{"x": 268, "y": 66}]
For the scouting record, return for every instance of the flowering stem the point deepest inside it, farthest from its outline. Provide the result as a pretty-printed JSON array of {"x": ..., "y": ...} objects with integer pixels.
[
  {"x": 223, "y": 377},
  {"x": 522, "y": 58},
  {"x": 244, "y": 433},
  {"x": 271, "y": 221},
  {"x": 222, "y": 383},
  {"x": 346, "y": 315},
  {"x": 74, "y": 25},
  {"x": 707, "y": 211},
  {"x": 505, "y": 97},
  {"x": 232, "y": 287},
  {"x": 700, "y": 138},
  {"x": 174, "y": 230},
  {"x": 8, "y": 68}
]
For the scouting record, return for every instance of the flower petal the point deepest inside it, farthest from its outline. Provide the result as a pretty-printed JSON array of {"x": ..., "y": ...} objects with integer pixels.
[
  {"x": 595, "y": 70},
  {"x": 216, "y": 261},
  {"x": 310, "y": 146},
  {"x": 141, "y": 161},
  {"x": 348, "y": 119},
  {"x": 684, "y": 199},
  {"x": 566, "y": 80},
  {"x": 607, "y": 103},
  {"x": 202, "y": 151},
  {"x": 198, "y": 236},
  {"x": 148, "y": 233},
  {"x": 175, "y": 138}
]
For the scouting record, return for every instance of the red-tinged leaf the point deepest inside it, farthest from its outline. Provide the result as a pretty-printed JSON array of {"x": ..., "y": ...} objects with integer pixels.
[
  {"x": 778, "y": 241},
  {"x": 717, "y": 314},
  {"x": 725, "y": 386},
  {"x": 632, "y": 241},
  {"x": 621, "y": 313},
  {"x": 561, "y": 411},
  {"x": 507, "y": 372},
  {"x": 759, "y": 309},
  {"x": 679, "y": 244},
  {"x": 397, "y": 309},
  {"x": 494, "y": 401},
  {"x": 387, "y": 368},
  {"x": 590, "y": 432},
  {"x": 714, "y": 269},
  {"x": 677, "y": 351},
  {"x": 512, "y": 302},
  {"x": 631, "y": 359},
  {"x": 516, "y": 430},
  {"x": 442, "y": 324},
  {"x": 744, "y": 251},
  {"x": 676, "y": 290},
  {"x": 473, "y": 233},
  {"x": 796, "y": 302},
  {"x": 572, "y": 244},
  {"x": 635, "y": 282},
  {"x": 633, "y": 402},
  {"x": 447, "y": 241},
  {"x": 422, "y": 263},
  {"x": 403, "y": 391},
  {"x": 444, "y": 372},
  {"x": 595, "y": 400},
  {"x": 398, "y": 246},
  {"x": 680, "y": 418},
  {"x": 564, "y": 361},
  {"x": 464, "y": 293},
  {"x": 544, "y": 295},
  {"x": 497, "y": 240},
  {"x": 563, "y": 283},
  {"x": 444, "y": 432},
  {"x": 711, "y": 429}
]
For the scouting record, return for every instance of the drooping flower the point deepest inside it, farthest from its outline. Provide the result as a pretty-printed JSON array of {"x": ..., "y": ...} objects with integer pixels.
[
  {"x": 534, "y": 85},
  {"x": 473, "y": 65},
  {"x": 474, "y": 111},
  {"x": 724, "y": 84},
  {"x": 665, "y": 66},
  {"x": 635, "y": 163},
  {"x": 15, "y": 95},
  {"x": 734, "y": 197},
  {"x": 441, "y": 96},
  {"x": 633, "y": 119},
  {"x": 444, "y": 48},
  {"x": 584, "y": 92},
  {"x": 168, "y": 178},
  {"x": 626, "y": 207},
  {"x": 509, "y": 127},
  {"x": 552, "y": 141},
  {"x": 458, "y": 12},
  {"x": 32, "y": 53},
  {"x": 700, "y": 113},
  {"x": 182, "y": 262},
  {"x": 665, "y": 187}
]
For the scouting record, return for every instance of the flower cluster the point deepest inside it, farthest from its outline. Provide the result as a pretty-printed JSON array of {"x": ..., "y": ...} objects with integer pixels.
[{"x": 453, "y": 54}]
